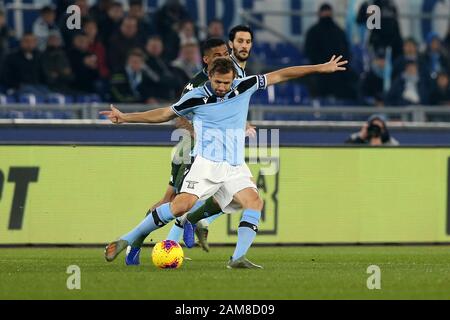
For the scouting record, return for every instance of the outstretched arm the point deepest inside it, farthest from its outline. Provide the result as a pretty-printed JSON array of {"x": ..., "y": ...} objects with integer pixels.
[
  {"x": 159, "y": 115},
  {"x": 335, "y": 64}
]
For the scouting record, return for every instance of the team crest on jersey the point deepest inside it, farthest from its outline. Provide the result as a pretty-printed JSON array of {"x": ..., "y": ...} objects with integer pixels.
[{"x": 191, "y": 184}]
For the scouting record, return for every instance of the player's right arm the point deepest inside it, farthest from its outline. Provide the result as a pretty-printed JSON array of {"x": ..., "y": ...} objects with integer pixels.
[
  {"x": 159, "y": 115},
  {"x": 187, "y": 104}
]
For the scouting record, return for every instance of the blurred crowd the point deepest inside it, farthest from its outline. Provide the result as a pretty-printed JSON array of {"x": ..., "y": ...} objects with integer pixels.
[
  {"x": 397, "y": 72},
  {"x": 123, "y": 56},
  {"x": 131, "y": 56}
]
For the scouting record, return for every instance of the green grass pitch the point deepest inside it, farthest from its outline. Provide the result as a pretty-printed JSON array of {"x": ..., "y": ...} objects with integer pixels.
[{"x": 414, "y": 272}]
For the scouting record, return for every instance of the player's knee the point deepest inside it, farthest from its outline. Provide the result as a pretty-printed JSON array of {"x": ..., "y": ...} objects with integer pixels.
[
  {"x": 255, "y": 203},
  {"x": 182, "y": 204}
]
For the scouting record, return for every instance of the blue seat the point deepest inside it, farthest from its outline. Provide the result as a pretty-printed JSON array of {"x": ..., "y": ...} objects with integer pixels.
[
  {"x": 89, "y": 98},
  {"x": 31, "y": 99},
  {"x": 7, "y": 99},
  {"x": 57, "y": 98}
]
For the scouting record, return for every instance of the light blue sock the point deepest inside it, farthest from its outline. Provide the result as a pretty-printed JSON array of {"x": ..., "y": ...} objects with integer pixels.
[
  {"x": 155, "y": 220},
  {"x": 246, "y": 232},
  {"x": 176, "y": 232},
  {"x": 212, "y": 218}
]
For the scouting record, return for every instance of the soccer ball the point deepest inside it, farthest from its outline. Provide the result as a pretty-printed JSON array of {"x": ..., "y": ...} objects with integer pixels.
[{"x": 167, "y": 254}]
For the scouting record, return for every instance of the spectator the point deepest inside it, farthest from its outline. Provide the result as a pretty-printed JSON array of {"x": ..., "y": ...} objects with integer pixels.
[
  {"x": 4, "y": 36},
  {"x": 323, "y": 40},
  {"x": 56, "y": 66},
  {"x": 112, "y": 22},
  {"x": 145, "y": 28},
  {"x": 371, "y": 88},
  {"x": 168, "y": 18},
  {"x": 99, "y": 11},
  {"x": 84, "y": 65},
  {"x": 189, "y": 60},
  {"x": 186, "y": 32},
  {"x": 61, "y": 8},
  {"x": 447, "y": 41},
  {"x": 435, "y": 59},
  {"x": 43, "y": 25},
  {"x": 169, "y": 81},
  {"x": 440, "y": 91},
  {"x": 410, "y": 53},
  {"x": 215, "y": 29},
  {"x": 96, "y": 47},
  {"x": 170, "y": 15},
  {"x": 122, "y": 42},
  {"x": 374, "y": 133},
  {"x": 132, "y": 84},
  {"x": 22, "y": 69},
  {"x": 409, "y": 89},
  {"x": 389, "y": 35}
]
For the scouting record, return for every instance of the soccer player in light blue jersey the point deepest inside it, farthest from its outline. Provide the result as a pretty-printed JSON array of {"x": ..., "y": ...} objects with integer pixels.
[{"x": 219, "y": 109}]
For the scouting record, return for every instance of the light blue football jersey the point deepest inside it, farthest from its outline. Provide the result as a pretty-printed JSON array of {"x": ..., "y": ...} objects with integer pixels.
[{"x": 219, "y": 123}]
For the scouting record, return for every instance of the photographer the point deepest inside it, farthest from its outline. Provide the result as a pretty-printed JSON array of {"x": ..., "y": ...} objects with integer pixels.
[{"x": 373, "y": 133}]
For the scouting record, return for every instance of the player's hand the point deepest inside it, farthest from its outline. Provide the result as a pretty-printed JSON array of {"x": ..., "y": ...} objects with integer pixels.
[
  {"x": 115, "y": 116},
  {"x": 335, "y": 64},
  {"x": 250, "y": 131}
]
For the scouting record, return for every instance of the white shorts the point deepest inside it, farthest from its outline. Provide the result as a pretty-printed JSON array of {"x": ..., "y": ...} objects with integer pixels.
[{"x": 219, "y": 179}]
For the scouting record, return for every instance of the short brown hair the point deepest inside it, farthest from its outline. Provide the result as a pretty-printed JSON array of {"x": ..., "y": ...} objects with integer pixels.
[{"x": 222, "y": 66}]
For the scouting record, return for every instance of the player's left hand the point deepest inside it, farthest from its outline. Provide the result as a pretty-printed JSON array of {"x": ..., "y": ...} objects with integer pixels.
[
  {"x": 250, "y": 131},
  {"x": 114, "y": 115},
  {"x": 335, "y": 64}
]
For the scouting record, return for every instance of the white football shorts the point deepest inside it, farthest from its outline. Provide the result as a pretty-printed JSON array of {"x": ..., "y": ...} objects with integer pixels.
[{"x": 207, "y": 178}]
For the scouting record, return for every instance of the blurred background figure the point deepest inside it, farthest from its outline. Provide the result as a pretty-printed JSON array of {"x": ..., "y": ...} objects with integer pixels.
[
  {"x": 145, "y": 27},
  {"x": 56, "y": 66},
  {"x": 324, "y": 39},
  {"x": 410, "y": 53},
  {"x": 169, "y": 81},
  {"x": 189, "y": 59},
  {"x": 132, "y": 84},
  {"x": 43, "y": 25},
  {"x": 371, "y": 89},
  {"x": 168, "y": 19},
  {"x": 123, "y": 42},
  {"x": 389, "y": 35},
  {"x": 111, "y": 23},
  {"x": 22, "y": 68},
  {"x": 435, "y": 59},
  {"x": 408, "y": 89},
  {"x": 84, "y": 65},
  {"x": 374, "y": 133},
  {"x": 440, "y": 90}
]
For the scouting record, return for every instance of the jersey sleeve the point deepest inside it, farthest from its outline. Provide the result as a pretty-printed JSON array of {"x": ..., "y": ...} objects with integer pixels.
[
  {"x": 250, "y": 84},
  {"x": 187, "y": 104}
]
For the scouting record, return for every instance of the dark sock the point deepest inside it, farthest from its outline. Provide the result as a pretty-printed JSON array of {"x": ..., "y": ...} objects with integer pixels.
[{"x": 209, "y": 209}]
